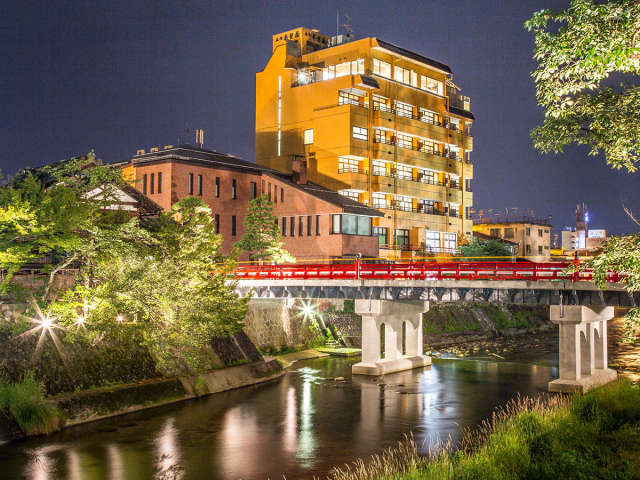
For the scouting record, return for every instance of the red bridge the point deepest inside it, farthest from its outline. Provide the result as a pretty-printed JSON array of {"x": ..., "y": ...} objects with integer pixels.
[{"x": 455, "y": 270}]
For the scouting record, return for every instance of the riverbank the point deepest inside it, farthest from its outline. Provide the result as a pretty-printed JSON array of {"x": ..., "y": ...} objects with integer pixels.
[
  {"x": 592, "y": 436},
  {"x": 77, "y": 408}
]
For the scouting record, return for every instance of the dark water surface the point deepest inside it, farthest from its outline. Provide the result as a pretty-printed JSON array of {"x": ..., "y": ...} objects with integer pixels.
[{"x": 299, "y": 426}]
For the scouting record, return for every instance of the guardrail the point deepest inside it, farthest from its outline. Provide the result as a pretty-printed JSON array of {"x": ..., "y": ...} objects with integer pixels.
[{"x": 498, "y": 271}]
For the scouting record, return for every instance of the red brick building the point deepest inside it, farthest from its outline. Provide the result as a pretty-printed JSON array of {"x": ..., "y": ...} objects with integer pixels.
[{"x": 316, "y": 223}]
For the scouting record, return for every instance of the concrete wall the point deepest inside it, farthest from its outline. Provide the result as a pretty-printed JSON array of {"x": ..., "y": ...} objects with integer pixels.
[{"x": 276, "y": 323}]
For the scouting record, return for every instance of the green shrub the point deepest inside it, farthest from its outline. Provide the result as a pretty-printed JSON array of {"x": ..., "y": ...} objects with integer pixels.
[{"x": 26, "y": 403}]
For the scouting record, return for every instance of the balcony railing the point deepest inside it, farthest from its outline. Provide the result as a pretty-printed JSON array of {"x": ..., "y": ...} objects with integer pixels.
[
  {"x": 451, "y": 155},
  {"x": 418, "y": 209},
  {"x": 418, "y": 179},
  {"x": 420, "y": 118}
]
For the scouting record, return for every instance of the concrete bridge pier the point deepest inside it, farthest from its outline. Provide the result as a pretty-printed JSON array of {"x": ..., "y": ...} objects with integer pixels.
[
  {"x": 399, "y": 323},
  {"x": 583, "y": 347}
]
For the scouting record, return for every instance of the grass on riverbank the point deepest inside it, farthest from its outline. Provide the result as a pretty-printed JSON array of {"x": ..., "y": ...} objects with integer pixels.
[
  {"x": 26, "y": 402},
  {"x": 592, "y": 436}
]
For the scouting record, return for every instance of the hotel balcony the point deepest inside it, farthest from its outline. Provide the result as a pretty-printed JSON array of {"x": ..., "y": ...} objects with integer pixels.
[
  {"x": 420, "y": 126},
  {"x": 445, "y": 162}
]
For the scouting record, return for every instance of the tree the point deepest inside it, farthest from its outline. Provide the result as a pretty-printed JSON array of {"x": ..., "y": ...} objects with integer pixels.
[
  {"x": 167, "y": 280},
  {"x": 262, "y": 237},
  {"x": 578, "y": 51},
  {"x": 47, "y": 211},
  {"x": 485, "y": 248}
]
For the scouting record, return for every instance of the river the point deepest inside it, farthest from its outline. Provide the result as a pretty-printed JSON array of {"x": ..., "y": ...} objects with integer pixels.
[{"x": 298, "y": 427}]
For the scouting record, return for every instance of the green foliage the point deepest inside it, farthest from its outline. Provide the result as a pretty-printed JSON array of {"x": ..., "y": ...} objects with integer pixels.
[
  {"x": 621, "y": 255},
  {"x": 262, "y": 238},
  {"x": 168, "y": 281},
  {"x": 49, "y": 210},
  {"x": 577, "y": 51},
  {"x": 485, "y": 248},
  {"x": 26, "y": 403}
]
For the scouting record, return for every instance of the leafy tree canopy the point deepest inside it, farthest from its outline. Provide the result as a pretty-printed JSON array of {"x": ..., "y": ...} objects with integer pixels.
[
  {"x": 485, "y": 248},
  {"x": 49, "y": 210},
  {"x": 262, "y": 238},
  {"x": 578, "y": 50}
]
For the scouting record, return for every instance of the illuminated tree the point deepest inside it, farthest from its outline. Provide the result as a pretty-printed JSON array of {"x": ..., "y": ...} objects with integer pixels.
[
  {"x": 262, "y": 238},
  {"x": 578, "y": 51}
]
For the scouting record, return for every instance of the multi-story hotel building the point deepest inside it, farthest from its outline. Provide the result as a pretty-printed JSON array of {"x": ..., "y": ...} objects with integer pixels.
[
  {"x": 316, "y": 223},
  {"x": 376, "y": 123}
]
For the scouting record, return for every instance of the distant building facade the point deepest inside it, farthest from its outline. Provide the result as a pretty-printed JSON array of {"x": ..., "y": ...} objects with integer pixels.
[
  {"x": 581, "y": 237},
  {"x": 315, "y": 223},
  {"x": 532, "y": 235},
  {"x": 377, "y": 123}
]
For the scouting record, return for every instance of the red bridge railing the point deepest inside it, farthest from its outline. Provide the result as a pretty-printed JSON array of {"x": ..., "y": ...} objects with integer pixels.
[{"x": 417, "y": 271}]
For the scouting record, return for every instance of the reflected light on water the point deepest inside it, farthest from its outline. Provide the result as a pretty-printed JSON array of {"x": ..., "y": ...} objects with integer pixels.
[
  {"x": 307, "y": 440},
  {"x": 40, "y": 466},
  {"x": 290, "y": 440},
  {"x": 74, "y": 469},
  {"x": 167, "y": 451},
  {"x": 116, "y": 465}
]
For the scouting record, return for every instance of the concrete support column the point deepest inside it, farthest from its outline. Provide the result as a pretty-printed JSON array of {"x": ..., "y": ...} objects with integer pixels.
[
  {"x": 370, "y": 331},
  {"x": 583, "y": 347},
  {"x": 392, "y": 314}
]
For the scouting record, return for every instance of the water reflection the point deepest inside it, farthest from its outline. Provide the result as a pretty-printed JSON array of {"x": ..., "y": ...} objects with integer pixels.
[{"x": 299, "y": 427}]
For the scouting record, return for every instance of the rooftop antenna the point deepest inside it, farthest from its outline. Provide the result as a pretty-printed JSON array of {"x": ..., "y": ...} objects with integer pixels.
[
  {"x": 337, "y": 22},
  {"x": 347, "y": 26}
]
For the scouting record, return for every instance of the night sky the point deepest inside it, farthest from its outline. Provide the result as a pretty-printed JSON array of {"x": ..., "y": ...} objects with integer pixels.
[{"x": 115, "y": 76}]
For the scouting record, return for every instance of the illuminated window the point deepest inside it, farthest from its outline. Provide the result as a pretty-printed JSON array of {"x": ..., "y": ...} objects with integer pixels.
[
  {"x": 329, "y": 72},
  {"x": 381, "y": 68},
  {"x": 380, "y": 103},
  {"x": 347, "y": 165},
  {"x": 427, "y": 176},
  {"x": 404, "y": 141},
  {"x": 380, "y": 136},
  {"x": 404, "y": 172},
  {"x": 343, "y": 69},
  {"x": 379, "y": 168},
  {"x": 403, "y": 203},
  {"x": 360, "y": 133},
  {"x": 357, "y": 66},
  {"x": 404, "y": 109},
  {"x": 352, "y": 194},
  {"x": 428, "y": 116},
  {"x": 431, "y": 85},
  {"x": 450, "y": 242},
  {"x": 379, "y": 200},
  {"x": 308, "y": 136},
  {"x": 432, "y": 241},
  {"x": 347, "y": 98},
  {"x": 402, "y": 75}
]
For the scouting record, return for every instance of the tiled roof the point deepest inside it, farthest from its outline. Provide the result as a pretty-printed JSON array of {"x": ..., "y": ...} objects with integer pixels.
[
  {"x": 414, "y": 56},
  {"x": 193, "y": 154}
]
